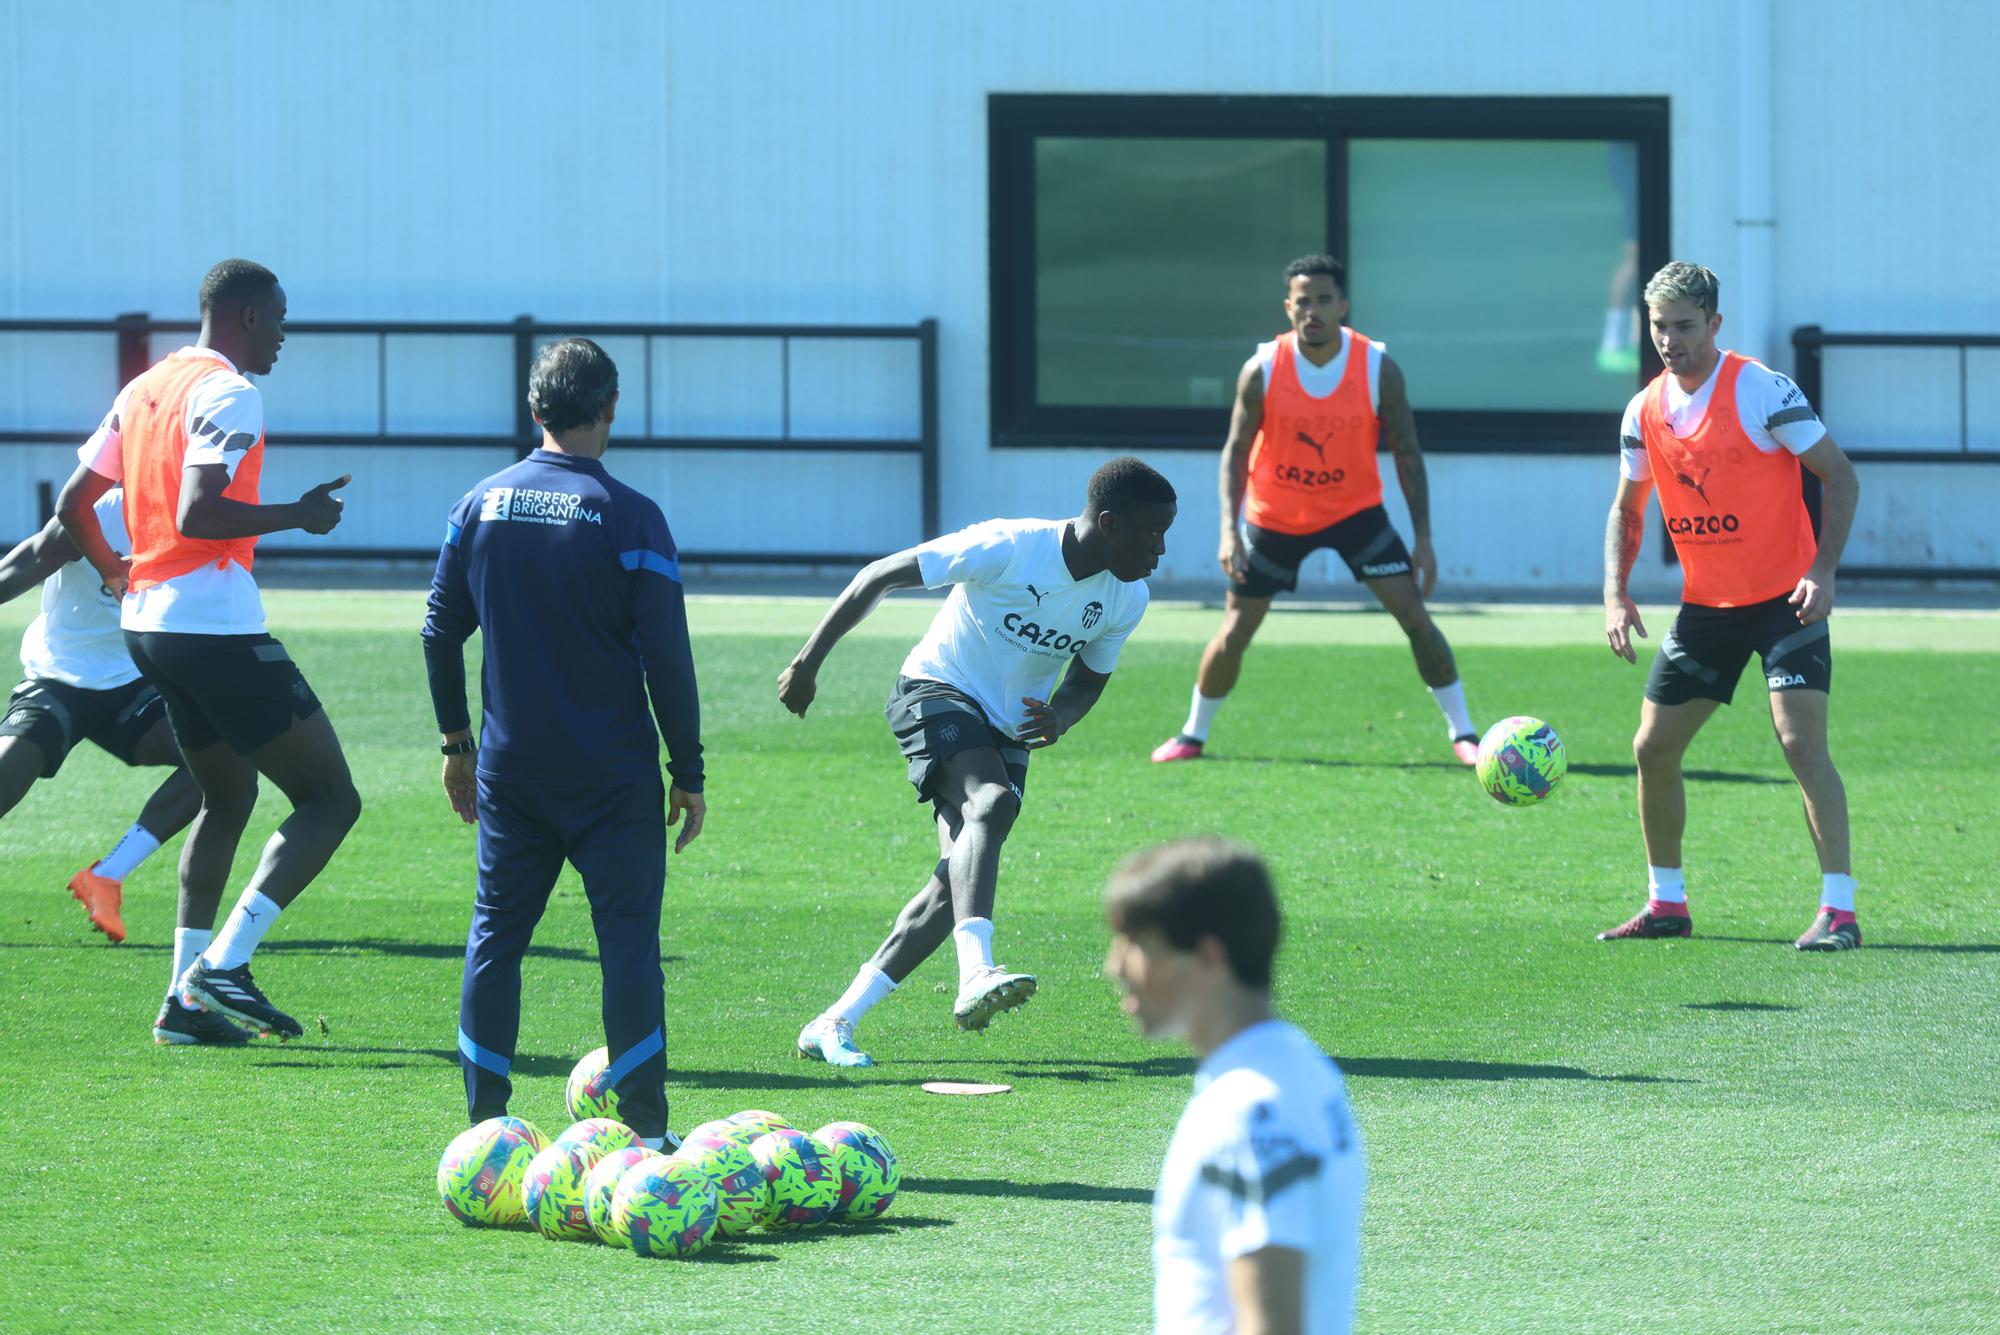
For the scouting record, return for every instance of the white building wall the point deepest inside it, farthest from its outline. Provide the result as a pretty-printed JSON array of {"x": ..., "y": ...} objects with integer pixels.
[{"x": 792, "y": 161}]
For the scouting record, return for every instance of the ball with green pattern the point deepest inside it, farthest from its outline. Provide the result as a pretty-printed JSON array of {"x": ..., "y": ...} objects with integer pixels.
[
  {"x": 587, "y": 1095},
  {"x": 601, "y": 1184},
  {"x": 742, "y": 1196},
  {"x": 869, "y": 1174},
  {"x": 665, "y": 1208},
  {"x": 552, "y": 1194},
  {"x": 805, "y": 1183},
  {"x": 1521, "y": 761},
  {"x": 481, "y": 1175}
]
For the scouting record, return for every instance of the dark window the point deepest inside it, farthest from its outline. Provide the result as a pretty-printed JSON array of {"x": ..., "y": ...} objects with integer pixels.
[{"x": 1495, "y": 245}]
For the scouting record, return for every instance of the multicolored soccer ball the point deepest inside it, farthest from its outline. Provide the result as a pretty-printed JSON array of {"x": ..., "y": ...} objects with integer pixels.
[
  {"x": 482, "y": 1172},
  {"x": 742, "y": 1196},
  {"x": 587, "y": 1096},
  {"x": 604, "y": 1134},
  {"x": 727, "y": 1130},
  {"x": 757, "y": 1121},
  {"x": 552, "y": 1195},
  {"x": 869, "y": 1175},
  {"x": 666, "y": 1208},
  {"x": 601, "y": 1184},
  {"x": 804, "y": 1181},
  {"x": 1521, "y": 761}
]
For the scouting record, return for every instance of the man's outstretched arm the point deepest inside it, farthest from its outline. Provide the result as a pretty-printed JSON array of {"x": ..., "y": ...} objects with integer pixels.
[
  {"x": 799, "y": 682},
  {"x": 34, "y": 560}
]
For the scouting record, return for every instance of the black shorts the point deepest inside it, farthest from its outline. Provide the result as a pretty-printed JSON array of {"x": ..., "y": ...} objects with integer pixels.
[
  {"x": 1366, "y": 541},
  {"x": 56, "y": 716},
  {"x": 934, "y": 722},
  {"x": 241, "y": 689},
  {"x": 1705, "y": 649}
]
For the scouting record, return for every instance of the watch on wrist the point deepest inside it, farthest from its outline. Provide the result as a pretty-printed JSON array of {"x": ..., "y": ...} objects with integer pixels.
[{"x": 464, "y": 746}]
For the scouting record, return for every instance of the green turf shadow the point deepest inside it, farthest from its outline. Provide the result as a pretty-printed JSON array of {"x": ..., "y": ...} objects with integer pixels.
[
  {"x": 1041, "y": 1191},
  {"x": 1421, "y": 1068}
]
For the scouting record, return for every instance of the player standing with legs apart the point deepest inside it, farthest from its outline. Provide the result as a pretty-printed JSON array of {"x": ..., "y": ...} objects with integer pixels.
[
  {"x": 574, "y": 583},
  {"x": 79, "y": 684},
  {"x": 1032, "y": 600},
  {"x": 1299, "y": 474},
  {"x": 187, "y": 441},
  {"x": 1257, "y": 1218},
  {"x": 1723, "y": 437}
]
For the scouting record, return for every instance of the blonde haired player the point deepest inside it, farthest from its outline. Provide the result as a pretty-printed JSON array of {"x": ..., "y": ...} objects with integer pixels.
[{"x": 1721, "y": 437}]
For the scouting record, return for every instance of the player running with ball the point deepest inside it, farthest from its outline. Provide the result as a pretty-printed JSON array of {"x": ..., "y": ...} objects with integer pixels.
[
  {"x": 1722, "y": 437},
  {"x": 1033, "y": 601}
]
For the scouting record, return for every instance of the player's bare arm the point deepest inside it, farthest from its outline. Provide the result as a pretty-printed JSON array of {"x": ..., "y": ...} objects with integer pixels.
[
  {"x": 76, "y": 511},
  {"x": 34, "y": 560},
  {"x": 1268, "y": 1290},
  {"x": 206, "y": 513},
  {"x": 798, "y": 683},
  {"x": 1399, "y": 432},
  {"x": 1840, "y": 492},
  {"x": 1245, "y": 420},
  {"x": 1623, "y": 532},
  {"x": 1049, "y": 719}
]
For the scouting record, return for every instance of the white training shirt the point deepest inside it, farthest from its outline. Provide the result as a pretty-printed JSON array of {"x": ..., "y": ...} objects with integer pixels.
[
  {"x": 1266, "y": 1155},
  {"x": 1320, "y": 381},
  {"x": 225, "y": 418},
  {"x": 1016, "y": 616},
  {"x": 76, "y": 639},
  {"x": 1772, "y": 409}
]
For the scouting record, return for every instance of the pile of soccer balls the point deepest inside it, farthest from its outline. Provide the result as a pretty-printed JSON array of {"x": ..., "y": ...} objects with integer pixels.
[{"x": 748, "y": 1171}]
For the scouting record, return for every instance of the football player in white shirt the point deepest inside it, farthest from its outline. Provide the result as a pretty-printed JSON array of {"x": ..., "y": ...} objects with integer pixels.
[
  {"x": 1032, "y": 601},
  {"x": 1257, "y": 1219}
]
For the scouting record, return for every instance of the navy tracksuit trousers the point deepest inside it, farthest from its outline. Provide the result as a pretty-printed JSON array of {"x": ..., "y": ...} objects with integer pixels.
[{"x": 616, "y": 838}]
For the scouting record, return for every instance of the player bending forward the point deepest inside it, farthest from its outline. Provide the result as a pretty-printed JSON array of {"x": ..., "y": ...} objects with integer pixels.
[
  {"x": 1033, "y": 600},
  {"x": 1299, "y": 474},
  {"x": 1723, "y": 437}
]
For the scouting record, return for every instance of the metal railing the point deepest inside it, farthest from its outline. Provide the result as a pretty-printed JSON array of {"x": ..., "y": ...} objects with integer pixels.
[{"x": 134, "y": 354}]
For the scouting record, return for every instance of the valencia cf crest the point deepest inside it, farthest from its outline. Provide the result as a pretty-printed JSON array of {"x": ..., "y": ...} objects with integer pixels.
[{"x": 1091, "y": 612}]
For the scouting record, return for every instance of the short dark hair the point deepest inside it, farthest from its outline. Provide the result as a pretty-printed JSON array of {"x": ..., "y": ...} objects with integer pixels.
[
  {"x": 235, "y": 283},
  {"x": 1193, "y": 888},
  {"x": 1307, "y": 266},
  {"x": 571, "y": 384},
  {"x": 1126, "y": 482}
]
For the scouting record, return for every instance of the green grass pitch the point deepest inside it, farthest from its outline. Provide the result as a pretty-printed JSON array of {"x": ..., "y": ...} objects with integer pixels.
[{"x": 1711, "y": 1135}]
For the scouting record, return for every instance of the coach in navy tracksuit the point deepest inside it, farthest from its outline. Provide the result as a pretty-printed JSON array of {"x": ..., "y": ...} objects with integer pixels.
[{"x": 573, "y": 579}]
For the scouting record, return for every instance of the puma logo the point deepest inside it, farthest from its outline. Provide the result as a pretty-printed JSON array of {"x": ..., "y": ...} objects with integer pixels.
[
  {"x": 1038, "y": 596},
  {"x": 1698, "y": 488},
  {"x": 1317, "y": 447}
]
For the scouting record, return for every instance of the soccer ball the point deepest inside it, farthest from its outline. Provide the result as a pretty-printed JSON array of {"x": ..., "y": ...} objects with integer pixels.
[
  {"x": 480, "y": 1176},
  {"x": 552, "y": 1196},
  {"x": 666, "y": 1208},
  {"x": 1521, "y": 761},
  {"x": 587, "y": 1096},
  {"x": 742, "y": 1196},
  {"x": 601, "y": 1183},
  {"x": 724, "y": 1129},
  {"x": 869, "y": 1175},
  {"x": 601, "y": 1133},
  {"x": 805, "y": 1183},
  {"x": 756, "y": 1121}
]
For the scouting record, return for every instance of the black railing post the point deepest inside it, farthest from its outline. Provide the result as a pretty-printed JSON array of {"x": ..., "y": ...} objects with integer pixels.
[
  {"x": 135, "y": 352},
  {"x": 524, "y": 361},
  {"x": 927, "y": 373},
  {"x": 45, "y": 503},
  {"x": 1809, "y": 370}
]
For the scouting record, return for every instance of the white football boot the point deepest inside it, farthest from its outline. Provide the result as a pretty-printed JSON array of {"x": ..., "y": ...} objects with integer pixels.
[
  {"x": 987, "y": 993},
  {"x": 831, "y": 1039}
]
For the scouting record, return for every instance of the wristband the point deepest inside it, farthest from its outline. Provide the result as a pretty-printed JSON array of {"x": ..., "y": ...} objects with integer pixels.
[{"x": 463, "y": 747}]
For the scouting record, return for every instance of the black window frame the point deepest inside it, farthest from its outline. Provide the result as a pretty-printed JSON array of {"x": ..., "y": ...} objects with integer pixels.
[{"x": 1016, "y": 120}]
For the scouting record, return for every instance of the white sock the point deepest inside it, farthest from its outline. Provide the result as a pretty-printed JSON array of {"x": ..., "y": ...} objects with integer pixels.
[
  {"x": 1665, "y": 885},
  {"x": 1837, "y": 891},
  {"x": 1451, "y": 699},
  {"x": 237, "y": 941},
  {"x": 137, "y": 845},
  {"x": 1201, "y": 713},
  {"x": 974, "y": 939},
  {"x": 869, "y": 986},
  {"x": 188, "y": 942},
  {"x": 653, "y": 1142}
]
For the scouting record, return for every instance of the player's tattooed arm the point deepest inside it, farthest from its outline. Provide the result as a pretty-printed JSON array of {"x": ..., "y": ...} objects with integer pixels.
[
  {"x": 1624, "y": 530},
  {"x": 799, "y": 682},
  {"x": 1840, "y": 493},
  {"x": 1399, "y": 431},
  {"x": 1049, "y": 719},
  {"x": 34, "y": 560},
  {"x": 1245, "y": 420}
]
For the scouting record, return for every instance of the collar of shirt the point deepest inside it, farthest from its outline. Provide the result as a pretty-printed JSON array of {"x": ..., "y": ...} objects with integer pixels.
[
  {"x": 193, "y": 351},
  {"x": 576, "y": 462},
  {"x": 1230, "y": 1054}
]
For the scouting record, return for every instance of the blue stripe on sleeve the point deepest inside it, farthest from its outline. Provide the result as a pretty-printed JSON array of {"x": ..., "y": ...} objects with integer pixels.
[
  {"x": 479, "y": 1056},
  {"x": 645, "y": 559},
  {"x": 451, "y": 533},
  {"x": 629, "y": 1060}
]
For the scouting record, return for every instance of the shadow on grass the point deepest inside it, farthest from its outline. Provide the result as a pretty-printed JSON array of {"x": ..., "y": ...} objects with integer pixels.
[
  {"x": 1322, "y": 762},
  {"x": 529, "y": 1063},
  {"x": 1072, "y": 1068},
  {"x": 1040, "y": 1191},
  {"x": 1735, "y": 1006},
  {"x": 1425, "y": 1068},
  {"x": 1601, "y": 771},
  {"x": 1924, "y": 947},
  {"x": 428, "y": 950}
]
